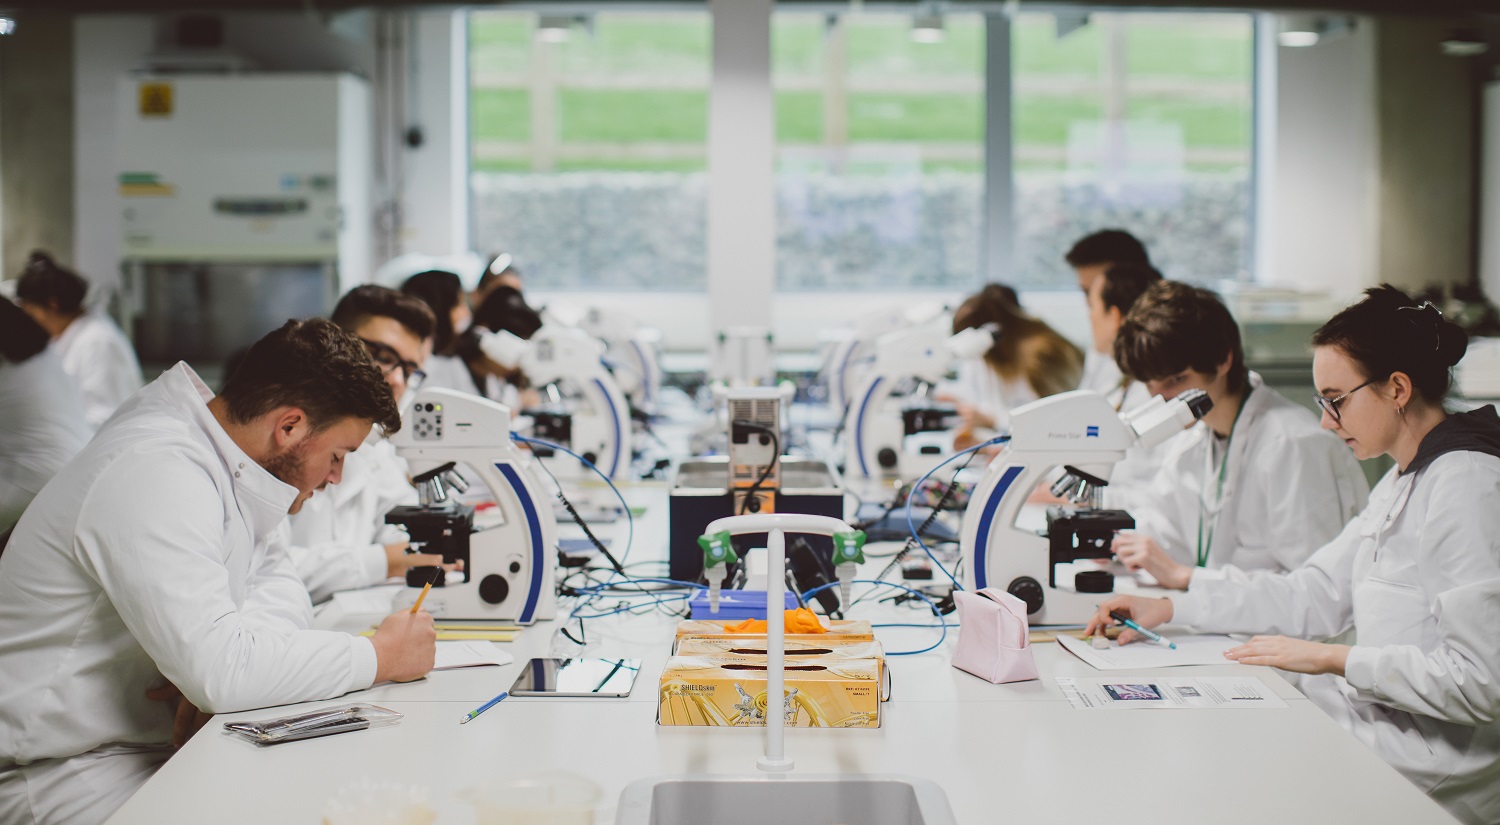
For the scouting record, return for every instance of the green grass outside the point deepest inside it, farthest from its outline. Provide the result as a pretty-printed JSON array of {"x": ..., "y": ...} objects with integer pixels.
[{"x": 1215, "y": 50}]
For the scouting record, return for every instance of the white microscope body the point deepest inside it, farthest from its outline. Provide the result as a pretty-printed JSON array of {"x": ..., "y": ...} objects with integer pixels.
[
  {"x": 849, "y": 358},
  {"x": 633, "y": 353},
  {"x": 1081, "y": 432},
  {"x": 509, "y": 566},
  {"x": 874, "y": 428},
  {"x": 601, "y": 427}
]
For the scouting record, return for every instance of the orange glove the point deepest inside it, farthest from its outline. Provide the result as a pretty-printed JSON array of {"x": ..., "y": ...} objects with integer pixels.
[{"x": 800, "y": 620}]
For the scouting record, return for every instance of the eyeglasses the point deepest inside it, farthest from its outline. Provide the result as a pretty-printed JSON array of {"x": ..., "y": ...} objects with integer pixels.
[
  {"x": 1331, "y": 405},
  {"x": 388, "y": 359}
]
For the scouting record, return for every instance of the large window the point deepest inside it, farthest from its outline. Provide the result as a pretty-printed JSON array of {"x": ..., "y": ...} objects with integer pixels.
[
  {"x": 1139, "y": 121},
  {"x": 588, "y": 146},
  {"x": 880, "y": 152},
  {"x": 589, "y": 153}
]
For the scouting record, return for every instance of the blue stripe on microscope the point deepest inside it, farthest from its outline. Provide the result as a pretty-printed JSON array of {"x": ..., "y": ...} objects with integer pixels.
[
  {"x": 534, "y": 527},
  {"x": 986, "y": 518}
]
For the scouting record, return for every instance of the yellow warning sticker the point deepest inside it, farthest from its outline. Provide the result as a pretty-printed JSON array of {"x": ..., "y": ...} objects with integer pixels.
[{"x": 156, "y": 99}]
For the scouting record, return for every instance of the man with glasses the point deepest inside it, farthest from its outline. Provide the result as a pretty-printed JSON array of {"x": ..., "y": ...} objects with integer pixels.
[
  {"x": 340, "y": 540},
  {"x": 1256, "y": 485}
]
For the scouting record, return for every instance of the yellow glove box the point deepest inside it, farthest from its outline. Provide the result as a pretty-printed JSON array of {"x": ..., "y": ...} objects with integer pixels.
[{"x": 822, "y": 691}]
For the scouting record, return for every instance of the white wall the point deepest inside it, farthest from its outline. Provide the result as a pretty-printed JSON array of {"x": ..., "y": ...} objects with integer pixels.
[
  {"x": 1324, "y": 187},
  {"x": 435, "y": 206},
  {"x": 106, "y": 48}
]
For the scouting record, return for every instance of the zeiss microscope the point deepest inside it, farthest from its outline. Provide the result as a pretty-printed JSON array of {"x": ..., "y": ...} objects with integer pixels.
[
  {"x": 598, "y": 426},
  {"x": 1080, "y": 432},
  {"x": 879, "y": 421},
  {"x": 508, "y": 566}
]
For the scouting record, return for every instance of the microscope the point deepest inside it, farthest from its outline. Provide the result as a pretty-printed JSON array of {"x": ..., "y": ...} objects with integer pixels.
[
  {"x": 1081, "y": 433},
  {"x": 879, "y": 421},
  {"x": 595, "y": 423},
  {"x": 508, "y": 558}
]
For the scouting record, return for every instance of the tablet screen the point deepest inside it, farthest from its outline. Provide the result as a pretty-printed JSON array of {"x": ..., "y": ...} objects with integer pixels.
[{"x": 576, "y": 677}]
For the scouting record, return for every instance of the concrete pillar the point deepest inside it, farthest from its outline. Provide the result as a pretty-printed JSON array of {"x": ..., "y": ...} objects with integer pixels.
[{"x": 36, "y": 140}]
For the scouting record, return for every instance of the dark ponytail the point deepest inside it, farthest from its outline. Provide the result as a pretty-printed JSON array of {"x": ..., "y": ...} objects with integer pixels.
[
  {"x": 49, "y": 285},
  {"x": 1388, "y": 332}
]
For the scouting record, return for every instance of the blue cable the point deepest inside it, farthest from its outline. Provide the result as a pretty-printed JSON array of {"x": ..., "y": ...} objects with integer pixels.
[
  {"x": 942, "y": 623},
  {"x": 629, "y": 517},
  {"x": 999, "y": 439}
]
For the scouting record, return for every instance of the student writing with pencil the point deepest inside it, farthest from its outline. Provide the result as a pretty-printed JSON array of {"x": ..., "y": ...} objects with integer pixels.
[
  {"x": 1416, "y": 576},
  {"x": 148, "y": 581}
]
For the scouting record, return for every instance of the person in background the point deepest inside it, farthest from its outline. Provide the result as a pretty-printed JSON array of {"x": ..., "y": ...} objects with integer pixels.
[
  {"x": 147, "y": 584},
  {"x": 1110, "y": 298},
  {"x": 41, "y": 414},
  {"x": 1255, "y": 485},
  {"x": 1029, "y": 360},
  {"x": 443, "y": 292},
  {"x": 503, "y": 311},
  {"x": 94, "y": 351},
  {"x": 340, "y": 541},
  {"x": 1415, "y": 578},
  {"x": 501, "y": 272},
  {"x": 1090, "y": 258}
]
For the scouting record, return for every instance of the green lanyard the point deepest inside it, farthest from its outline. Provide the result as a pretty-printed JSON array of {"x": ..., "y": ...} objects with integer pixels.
[{"x": 1205, "y": 544}]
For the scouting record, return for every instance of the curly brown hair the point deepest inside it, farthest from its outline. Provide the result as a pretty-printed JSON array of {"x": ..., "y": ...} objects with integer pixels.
[{"x": 317, "y": 367}]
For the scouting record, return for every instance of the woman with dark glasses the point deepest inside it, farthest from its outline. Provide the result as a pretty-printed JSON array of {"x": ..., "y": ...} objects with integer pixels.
[{"x": 1416, "y": 576}]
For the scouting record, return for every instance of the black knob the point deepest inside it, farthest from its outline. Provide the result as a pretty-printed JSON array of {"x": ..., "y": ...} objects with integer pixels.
[
  {"x": 493, "y": 589},
  {"x": 592, "y": 458},
  {"x": 515, "y": 567},
  {"x": 887, "y": 458},
  {"x": 753, "y": 504},
  {"x": 1030, "y": 591}
]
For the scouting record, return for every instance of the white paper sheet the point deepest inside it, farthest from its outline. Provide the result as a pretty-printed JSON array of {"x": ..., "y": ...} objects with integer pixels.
[
  {"x": 469, "y": 654},
  {"x": 376, "y": 599},
  {"x": 1167, "y": 693},
  {"x": 1191, "y": 650}
]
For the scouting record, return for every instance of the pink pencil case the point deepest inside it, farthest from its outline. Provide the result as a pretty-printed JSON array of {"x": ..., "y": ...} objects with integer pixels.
[{"x": 993, "y": 639}]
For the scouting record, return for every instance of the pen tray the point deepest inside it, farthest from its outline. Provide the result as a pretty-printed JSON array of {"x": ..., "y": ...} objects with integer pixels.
[{"x": 312, "y": 724}]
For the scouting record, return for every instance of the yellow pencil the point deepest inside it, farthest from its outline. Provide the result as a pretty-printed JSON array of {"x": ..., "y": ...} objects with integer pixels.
[{"x": 418, "y": 604}]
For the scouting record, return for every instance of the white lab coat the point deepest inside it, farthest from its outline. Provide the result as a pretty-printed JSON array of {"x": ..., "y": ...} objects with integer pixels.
[
  {"x": 1417, "y": 577},
  {"x": 338, "y": 539},
  {"x": 1289, "y": 488},
  {"x": 1132, "y": 477},
  {"x": 102, "y": 362},
  {"x": 448, "y": 372},
  {"x": 41, "y": 427},
  {"x": 153, "y": 556},
  {"x": 1100, "y": 372},
  {"x": 979, "y": 385}
]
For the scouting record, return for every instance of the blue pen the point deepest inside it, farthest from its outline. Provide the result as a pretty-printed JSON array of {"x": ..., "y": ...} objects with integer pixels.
[
  {"x": 1150, "y": 634},
  {"x": 484, "y": 707}
]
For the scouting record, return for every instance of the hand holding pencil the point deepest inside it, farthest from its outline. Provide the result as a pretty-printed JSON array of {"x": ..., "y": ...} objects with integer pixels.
[{"x": 405, "y": 645}]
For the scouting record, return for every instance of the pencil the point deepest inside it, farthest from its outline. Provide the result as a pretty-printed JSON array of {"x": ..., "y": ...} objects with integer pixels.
[{"x": 418, "y": 604}]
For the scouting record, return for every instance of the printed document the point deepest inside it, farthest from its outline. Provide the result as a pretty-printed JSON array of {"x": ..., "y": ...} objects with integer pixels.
[
  {"x": 1167, "y": 693},
  {"x": 1191, "y": 650}
]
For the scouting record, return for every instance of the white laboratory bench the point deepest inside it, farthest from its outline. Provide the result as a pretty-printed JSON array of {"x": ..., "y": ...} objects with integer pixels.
[{"x": 1003, "y": 753}]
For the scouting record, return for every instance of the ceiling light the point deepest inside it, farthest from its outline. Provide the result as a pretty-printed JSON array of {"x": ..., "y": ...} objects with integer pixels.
[
  {"x": 1302, "y": 30},
  {"x": 927, "y": 25},
  {"x": 1465, "y": 43},
  {"x": 7, "y": 24},
  {"x": 554, "y": 28}
]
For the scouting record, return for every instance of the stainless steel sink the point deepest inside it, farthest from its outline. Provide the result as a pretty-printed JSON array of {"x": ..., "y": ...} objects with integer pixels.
[{"x": 787, "y": 799}]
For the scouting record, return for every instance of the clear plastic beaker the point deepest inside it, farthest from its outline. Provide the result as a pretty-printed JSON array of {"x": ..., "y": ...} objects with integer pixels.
[
  {"x": 550, "y": 798},
  {"x": 368, "y": 802}
]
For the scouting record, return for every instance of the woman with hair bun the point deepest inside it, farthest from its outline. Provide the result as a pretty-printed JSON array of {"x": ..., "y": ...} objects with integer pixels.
[
  {"x": 1416, "y": 576},
  {"x": 94, "y": 351}
]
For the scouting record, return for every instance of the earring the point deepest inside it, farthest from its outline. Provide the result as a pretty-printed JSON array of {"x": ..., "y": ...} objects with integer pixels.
[{"x": 1400, "y": 410}]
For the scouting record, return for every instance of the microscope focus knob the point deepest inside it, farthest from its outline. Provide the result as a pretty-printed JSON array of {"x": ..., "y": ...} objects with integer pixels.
[
  {"x": 1028, "y": 590},
  {"x": 887, "y": 458},
  {"x": 493, "y": 589}
]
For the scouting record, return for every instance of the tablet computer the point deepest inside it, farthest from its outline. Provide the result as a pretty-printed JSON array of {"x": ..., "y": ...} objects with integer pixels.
[{"x": 576, "y": 677}]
